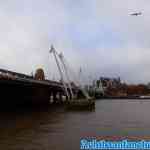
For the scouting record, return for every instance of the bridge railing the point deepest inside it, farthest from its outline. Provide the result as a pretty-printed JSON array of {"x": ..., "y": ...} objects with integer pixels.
[{"x": 15, "y": 74}]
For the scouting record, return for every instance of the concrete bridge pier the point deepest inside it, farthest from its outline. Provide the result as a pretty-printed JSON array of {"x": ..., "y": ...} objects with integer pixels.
[
  {"x": 54, "y": 93},
  {"x": 57, "y": 97},
  {"x": 60, "y": 97},
  {"x": 70, "y": 96},
  {"x": 50, "y": 96}
]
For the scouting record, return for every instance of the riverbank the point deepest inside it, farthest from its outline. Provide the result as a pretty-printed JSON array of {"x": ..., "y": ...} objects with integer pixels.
[{"x": 123, "y": 97}]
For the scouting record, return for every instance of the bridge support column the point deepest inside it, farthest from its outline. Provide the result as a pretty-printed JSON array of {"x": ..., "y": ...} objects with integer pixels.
[
  {"x": 50, "y": 96},
  {"x": 54, "y": 97},
  {"x": 60, "y": 98},
  {"x": 67, "y": 98},
  {"x": 70, "y": 96}
]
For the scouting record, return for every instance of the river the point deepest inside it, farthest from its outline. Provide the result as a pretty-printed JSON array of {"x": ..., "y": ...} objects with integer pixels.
[{"x": 57, "y": 129}]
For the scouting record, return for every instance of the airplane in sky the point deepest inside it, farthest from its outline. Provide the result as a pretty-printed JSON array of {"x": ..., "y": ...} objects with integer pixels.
[{"x": 136, "y": 14}]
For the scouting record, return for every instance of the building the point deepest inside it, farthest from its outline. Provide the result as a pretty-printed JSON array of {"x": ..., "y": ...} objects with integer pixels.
[{"x": 110, "y": 82}]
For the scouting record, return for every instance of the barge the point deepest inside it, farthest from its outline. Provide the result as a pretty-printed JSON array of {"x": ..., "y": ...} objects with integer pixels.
[{"x": 80, "y": 104}]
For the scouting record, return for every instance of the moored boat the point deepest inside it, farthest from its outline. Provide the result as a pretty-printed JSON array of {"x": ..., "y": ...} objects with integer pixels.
[{"x": 80, "y": 104}]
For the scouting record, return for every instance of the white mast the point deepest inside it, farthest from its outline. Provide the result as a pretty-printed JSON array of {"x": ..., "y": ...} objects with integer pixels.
[
  {"x": 101, "y": 87},
  {"x": 66, "y": 73},
  {"x": 52, "y": 50}
]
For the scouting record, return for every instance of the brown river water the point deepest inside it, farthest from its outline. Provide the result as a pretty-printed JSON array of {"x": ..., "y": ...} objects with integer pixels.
[{"x": 58, "y": 129}]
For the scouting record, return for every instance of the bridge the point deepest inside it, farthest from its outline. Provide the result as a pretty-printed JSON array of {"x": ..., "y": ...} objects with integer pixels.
[{"x": 17, "y": 88}]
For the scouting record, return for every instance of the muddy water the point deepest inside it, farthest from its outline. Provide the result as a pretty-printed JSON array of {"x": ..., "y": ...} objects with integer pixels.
[{"x": 57, "y": 129}]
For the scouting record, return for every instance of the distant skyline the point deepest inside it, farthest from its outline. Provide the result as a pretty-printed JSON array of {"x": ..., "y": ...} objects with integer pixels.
[{"x": 100, "y": 36}]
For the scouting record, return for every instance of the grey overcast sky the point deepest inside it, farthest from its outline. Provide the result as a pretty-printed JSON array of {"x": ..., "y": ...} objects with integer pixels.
[{"x": 98, "y": 35}]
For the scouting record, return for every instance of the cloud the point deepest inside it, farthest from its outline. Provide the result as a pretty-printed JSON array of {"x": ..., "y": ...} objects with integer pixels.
[{"x": 99, "y": 35}]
